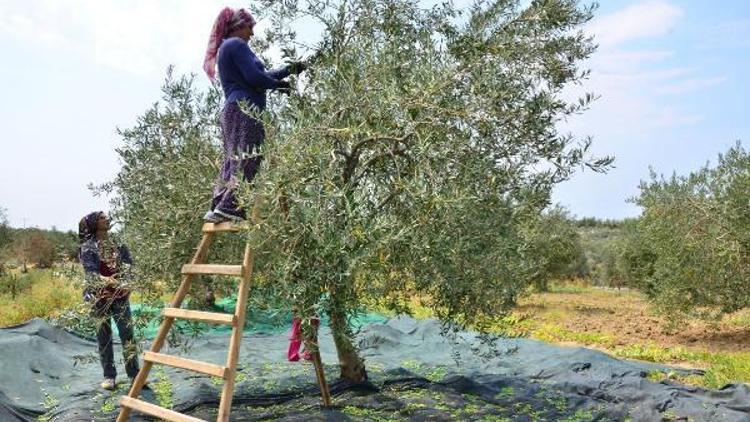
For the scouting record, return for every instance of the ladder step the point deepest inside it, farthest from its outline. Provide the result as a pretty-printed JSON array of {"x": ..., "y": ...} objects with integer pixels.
[
  {"x": 212, "y": 269},
  {"x": 154, "y": 410},
  {"x": 182, "y": 363},
  {"x": 212, "y": 317},
  {"x": 221, "y": 227}
]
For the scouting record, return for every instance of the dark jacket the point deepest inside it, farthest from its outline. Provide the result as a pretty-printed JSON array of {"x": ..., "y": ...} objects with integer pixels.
[{"x": 92, "y": 266}]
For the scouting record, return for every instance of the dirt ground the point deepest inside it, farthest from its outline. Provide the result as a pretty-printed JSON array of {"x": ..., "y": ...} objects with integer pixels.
[{"x": 626, "y": 317}]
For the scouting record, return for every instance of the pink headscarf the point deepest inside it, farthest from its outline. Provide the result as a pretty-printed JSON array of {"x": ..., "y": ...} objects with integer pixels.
[{"x": 227, "y": 21}]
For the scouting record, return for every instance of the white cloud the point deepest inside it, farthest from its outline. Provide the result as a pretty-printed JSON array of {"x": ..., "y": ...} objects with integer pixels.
[
  {"x": 643, "y": 20},
  {"x": 617, "y": 60},
  {"x": 633, "y": 83},
  {"x": 141, "y": 37},
  {"x": 33, "y": 29},
  {"x": 691, "y": 85}
]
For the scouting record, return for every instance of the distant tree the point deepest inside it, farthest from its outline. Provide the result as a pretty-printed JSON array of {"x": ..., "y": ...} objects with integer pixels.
[
  {"x": 593, "y": 222},
  {"x": 5, "y": 231},
  {"x": 6, "y": 238},
  {"x": 630, "y": 260},
  {"x": 555, "y": 244},
  {"x": 32, "y": 246},
  {"x": 66, "y": 243}
]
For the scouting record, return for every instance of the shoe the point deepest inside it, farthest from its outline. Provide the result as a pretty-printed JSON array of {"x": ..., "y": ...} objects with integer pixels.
[
  {"x": 229, "y": 216},
  {"x": 108, "y": 384},
  {"x": 212, "y": 217}
]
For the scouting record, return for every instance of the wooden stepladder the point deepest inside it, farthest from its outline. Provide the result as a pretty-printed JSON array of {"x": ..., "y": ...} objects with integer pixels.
[{"x": 236, "y": 320}]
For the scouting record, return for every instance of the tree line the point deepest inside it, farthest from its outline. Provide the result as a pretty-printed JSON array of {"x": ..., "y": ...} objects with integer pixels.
[{"x": 25, "y": 248}]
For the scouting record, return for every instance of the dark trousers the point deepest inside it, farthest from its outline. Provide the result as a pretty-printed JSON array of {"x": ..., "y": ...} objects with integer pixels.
[
  {"x": 104, "y": 311},
  {"x": 242, "y": 136}
]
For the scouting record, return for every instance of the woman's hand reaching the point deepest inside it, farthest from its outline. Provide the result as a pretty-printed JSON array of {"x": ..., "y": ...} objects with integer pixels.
[
  {"x": 285, "y": 87},
  {"x": 295, "y": 68}
]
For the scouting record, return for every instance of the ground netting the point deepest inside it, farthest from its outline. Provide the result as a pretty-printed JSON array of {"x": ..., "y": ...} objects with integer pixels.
[{"x": 415, "y": 374}]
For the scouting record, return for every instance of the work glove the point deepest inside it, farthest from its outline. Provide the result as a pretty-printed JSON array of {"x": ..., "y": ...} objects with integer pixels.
[
  {"x": 295, "y": 68},
  {"x": 285, "y": 87}
]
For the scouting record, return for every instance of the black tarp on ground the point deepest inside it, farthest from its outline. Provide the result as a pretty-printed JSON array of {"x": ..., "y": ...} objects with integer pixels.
[{"x": 413, "y": 371}]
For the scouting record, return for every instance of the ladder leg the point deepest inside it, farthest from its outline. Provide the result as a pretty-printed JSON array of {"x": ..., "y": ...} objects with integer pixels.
[
  {"x": 311, "y": 343},
  {"x": 166, "y": 325},
  {"x": 234, "y": 343},
  {"x": 325, "y": 393}
]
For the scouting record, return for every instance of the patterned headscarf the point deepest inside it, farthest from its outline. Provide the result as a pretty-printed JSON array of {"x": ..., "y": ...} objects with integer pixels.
[
  {"x": 87, "y": 226},
  {"x": 228, "y": 20}
]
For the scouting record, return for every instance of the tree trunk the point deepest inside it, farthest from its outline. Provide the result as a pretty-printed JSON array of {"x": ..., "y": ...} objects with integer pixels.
[
  {"x": 352, "y": 366},
  {"x": 542, "y": 285}
]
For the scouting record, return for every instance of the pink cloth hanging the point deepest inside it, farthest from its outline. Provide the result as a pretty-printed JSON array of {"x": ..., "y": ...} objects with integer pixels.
[{"x": 295, "y": 340}]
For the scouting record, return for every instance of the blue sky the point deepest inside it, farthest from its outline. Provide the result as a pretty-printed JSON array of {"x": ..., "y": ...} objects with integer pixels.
[
  {"x": 674, "y": 89},
  {"x": 672, "y": 76}
]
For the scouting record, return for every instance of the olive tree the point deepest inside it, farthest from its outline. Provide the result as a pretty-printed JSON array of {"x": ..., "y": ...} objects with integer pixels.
[
  {"x": 6, "y": 238},
  {"x": 629, "y": 259},
  {"x": 556, "y": 246},
  {"x": 697, "y": 231},
  {"x": 419, "y": 146},
  {"x": 411, "y": 158}
]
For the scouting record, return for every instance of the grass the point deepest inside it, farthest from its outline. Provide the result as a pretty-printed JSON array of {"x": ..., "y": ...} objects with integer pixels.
[
  {"x": 48, "y": 296},
  {"x": 741, "y": 319},
  {"x": 721, "y": 368},
  {"x": 552, "y": 333}
]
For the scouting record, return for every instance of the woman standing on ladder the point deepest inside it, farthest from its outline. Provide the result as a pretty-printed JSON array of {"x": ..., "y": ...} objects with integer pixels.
[{"x": 244, "y": 78}]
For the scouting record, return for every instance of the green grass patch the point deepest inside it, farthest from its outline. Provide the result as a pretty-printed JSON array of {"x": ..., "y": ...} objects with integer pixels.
[
  {"x": 569, "y": 289},
  {"x": 555, "y": 334},
  {"x": 580, "y": 416},
  {"x": 50, "y": 403},
  {"x": 721, "y": 367},
  {"x": 48, "y": 296},
  {"x": 740, "y": 319},
  {"x": 506, "y": 393},
  {"x": 360, "y": 413}
]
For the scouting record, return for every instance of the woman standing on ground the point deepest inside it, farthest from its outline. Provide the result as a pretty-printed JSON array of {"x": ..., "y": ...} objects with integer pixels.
[
  {"x": 244, "y": 78},
  {"x": 106, "y": 265}
]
